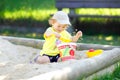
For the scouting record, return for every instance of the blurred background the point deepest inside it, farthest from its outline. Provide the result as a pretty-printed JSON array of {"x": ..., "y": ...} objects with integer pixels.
[{"x": 29, "y": 18}]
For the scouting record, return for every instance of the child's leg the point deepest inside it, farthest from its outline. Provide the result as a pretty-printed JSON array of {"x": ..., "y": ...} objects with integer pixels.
[
  {"x": 59, "y": 59},
  {"x": 42, "y": 59}
]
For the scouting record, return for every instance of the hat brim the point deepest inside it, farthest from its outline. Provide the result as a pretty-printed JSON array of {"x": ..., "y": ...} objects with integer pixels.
[{"x": 64, "y": 22}]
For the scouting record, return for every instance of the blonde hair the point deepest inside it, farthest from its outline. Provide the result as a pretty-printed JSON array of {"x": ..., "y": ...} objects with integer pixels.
[{"x": 51, "y": 21}]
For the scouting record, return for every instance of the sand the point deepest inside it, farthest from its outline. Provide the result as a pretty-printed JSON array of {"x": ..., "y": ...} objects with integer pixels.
[{"x": 15, "y": 62}]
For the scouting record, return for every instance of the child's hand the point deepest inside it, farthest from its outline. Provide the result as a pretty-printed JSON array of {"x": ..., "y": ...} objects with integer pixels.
[
  {"x": 57, "y": 35},
  {"x": 77, "y": 36}
]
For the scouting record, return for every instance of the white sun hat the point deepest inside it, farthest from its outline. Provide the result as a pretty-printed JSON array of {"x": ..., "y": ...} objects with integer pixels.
[{"x": 61, "y": 17}]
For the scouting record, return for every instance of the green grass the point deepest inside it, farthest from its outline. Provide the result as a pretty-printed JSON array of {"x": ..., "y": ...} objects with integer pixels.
[
  {"x": 8, "y": 32},
  {"x": 99, "y": 11},
  {"x": 41, "y": 9},
  {"x": 101, "y": 39},
  {"x": 115, "y": 75},
  {"x": 36, "y": 9}
]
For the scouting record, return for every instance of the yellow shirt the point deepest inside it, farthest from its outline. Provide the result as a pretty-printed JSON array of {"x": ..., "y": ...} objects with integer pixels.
[{"x": 50, "y": 47}]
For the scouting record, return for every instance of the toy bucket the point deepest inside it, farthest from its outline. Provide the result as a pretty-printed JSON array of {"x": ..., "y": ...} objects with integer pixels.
[
  {"x": 67, "y": 50},
  {"x": 65, "y": 58}
]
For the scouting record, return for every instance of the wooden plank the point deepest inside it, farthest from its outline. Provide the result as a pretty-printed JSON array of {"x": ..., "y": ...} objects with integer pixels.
[
  {"x": 72, "y": 4},
  {"x": 88, "y": 0},
  {"x": 88, "y": 5},
  {"x": 37, "y": 43},
  {"x": 83, "y": 68}
]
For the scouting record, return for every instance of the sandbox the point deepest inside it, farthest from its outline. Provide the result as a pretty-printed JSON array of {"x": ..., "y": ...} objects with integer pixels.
[{"x": 16, "y": 53}]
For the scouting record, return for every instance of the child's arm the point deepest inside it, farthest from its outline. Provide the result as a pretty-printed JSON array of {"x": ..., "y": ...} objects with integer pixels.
[
  {"x": 49, "y": 33},
  {"x": 73, "y": 38}
]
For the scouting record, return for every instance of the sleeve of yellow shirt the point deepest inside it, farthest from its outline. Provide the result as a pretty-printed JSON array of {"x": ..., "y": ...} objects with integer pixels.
[
  {"x": 65, "y": 37},
  {"x": 49, "y": 31}
]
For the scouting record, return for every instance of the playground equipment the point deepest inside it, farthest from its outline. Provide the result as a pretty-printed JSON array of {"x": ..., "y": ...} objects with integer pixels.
[
  {"x": 84, "y": 68},
  {"x": 81, "y": 68}
]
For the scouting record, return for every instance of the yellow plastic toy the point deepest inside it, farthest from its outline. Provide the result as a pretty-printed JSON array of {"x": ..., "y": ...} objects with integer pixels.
[{"x": 92, "y": 52}]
